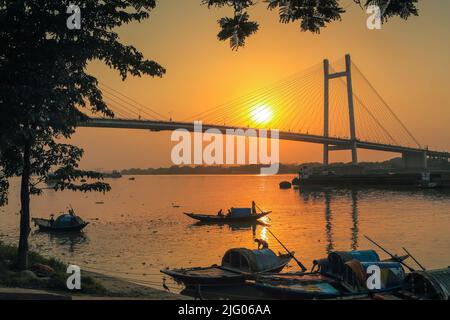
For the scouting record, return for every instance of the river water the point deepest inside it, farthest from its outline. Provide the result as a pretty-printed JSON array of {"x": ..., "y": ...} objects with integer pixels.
[{"x": 136, "y": 229}]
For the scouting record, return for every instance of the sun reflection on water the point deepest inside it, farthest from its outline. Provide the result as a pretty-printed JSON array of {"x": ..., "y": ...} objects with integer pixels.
[{"x": 263, "y": 234}]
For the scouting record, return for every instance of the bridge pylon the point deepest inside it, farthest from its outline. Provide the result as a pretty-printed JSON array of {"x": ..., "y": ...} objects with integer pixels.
[{"x": 351, "y": 112}]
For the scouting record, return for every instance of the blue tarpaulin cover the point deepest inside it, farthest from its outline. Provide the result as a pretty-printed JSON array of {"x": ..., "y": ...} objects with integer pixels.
[
  {"x": 241, "y": 212},
  {"x": 64, "y": 220}
]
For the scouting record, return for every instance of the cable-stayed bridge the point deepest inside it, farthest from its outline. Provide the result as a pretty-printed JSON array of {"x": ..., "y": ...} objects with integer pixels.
[{"x": 331, "y": 104}]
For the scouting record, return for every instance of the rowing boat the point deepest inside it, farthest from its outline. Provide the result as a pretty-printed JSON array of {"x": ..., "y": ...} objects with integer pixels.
[
  {"x": 68, "y": 222},
  {"x": 226, "y": 219},
  {"x": 238, "y": 265}
]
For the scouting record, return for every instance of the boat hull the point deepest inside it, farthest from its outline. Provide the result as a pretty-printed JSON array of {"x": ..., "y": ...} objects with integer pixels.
[
  {"x": 44, "y": 225},
  {"x": 219, "y": 275},
  {"x": 215, "y": 275},
  {"x": 302, "y": 286},
  {"x": 224, "y": 219}
]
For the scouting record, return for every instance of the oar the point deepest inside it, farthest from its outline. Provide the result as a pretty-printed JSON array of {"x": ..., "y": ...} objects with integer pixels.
[
  {"x": 292, "y": 255},
  {"x": 259, "y": 208},
  {"x": 262, "y": 212},
  {"x": 392, "y": 256},
  {"x": 415, "y": 260}
]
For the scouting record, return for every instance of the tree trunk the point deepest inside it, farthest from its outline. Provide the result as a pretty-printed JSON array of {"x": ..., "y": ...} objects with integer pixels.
[{"x": 22, "y": 255}]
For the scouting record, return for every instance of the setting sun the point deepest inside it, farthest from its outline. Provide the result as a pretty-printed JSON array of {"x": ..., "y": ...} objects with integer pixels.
[{"x": 261, "y": 114}]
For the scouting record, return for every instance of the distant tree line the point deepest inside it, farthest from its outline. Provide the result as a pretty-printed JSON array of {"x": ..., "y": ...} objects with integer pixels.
[{"x": 393, "y": 164}]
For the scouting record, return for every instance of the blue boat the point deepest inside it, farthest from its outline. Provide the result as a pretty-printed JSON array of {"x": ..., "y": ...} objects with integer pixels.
[
  {"x": 341, "y": 274},
  {"x": 68, "y": 222}
]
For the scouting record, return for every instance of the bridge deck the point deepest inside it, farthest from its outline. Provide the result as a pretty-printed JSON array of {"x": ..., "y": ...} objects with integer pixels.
[{"x": 292, "y": 136}]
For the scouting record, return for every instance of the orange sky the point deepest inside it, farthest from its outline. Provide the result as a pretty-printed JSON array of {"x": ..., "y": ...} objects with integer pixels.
[{"x": 408, "y": 63}]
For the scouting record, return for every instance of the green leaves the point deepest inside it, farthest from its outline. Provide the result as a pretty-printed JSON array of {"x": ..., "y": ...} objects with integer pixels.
[
  {"x": 236, "y": 29},
  {"x": 4, "y": 185},
  {"x": 46, "y": 89},
  {"x": 391, "y": 8},
  {"x": 312, "y": 15}
]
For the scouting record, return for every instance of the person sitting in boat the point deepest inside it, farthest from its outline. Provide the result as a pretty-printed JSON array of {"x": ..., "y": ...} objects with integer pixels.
[
  {"x": 262, "y": 244},
  {"x": 72, "y": 212},
  {"x": 220, "y": 213}
]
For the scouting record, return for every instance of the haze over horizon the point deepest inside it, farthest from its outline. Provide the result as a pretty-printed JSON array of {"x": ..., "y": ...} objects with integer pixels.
[{"x": 407, "y": 61}]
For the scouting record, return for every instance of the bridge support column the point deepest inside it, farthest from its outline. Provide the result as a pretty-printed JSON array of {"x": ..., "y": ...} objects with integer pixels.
[
  {"x": 415, "y": 160},
  {"x": 351, "y": 112},
  {"x": 326, "y": 71}
]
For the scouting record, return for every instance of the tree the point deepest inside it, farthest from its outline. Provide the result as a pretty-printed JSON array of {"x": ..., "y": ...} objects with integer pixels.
[
  {"x": 46, "y": 90},
  {"x": 313, "y": 15}
]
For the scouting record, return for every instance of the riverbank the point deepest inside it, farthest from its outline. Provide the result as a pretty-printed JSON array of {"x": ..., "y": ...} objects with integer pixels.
[{"x": 46, "y": 280}]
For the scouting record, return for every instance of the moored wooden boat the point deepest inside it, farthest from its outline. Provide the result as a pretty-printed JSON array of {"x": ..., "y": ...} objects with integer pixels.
[
  {"x": 238, "y": 265},
  {"x": 341, "y": 274},
  {"x": 226, "y": 219},
  {"x": 428, "y": 285},
  {"x": 300, "y": 286},
  {"x": 68, "y": 222}
]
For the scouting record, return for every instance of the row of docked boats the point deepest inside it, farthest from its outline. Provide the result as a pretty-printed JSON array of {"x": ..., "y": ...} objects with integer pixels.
[{"x": 341, "y": 275}]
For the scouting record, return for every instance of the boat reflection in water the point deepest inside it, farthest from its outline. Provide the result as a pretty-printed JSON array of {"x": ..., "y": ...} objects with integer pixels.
[
  {"x": 328, "y": 196},
  {"x": 71, "y": 242}
]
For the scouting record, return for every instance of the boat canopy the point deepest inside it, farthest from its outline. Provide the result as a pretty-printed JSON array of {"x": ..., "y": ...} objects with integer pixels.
[
  {"x": 240, "y": 212},
  {"x": 67, "y": 220},
  {"x": 432, "y": 284},
  {"x": 250, "y": 260},
  {"x": 337, "y": 259},
  {"x": 391, "y": 273}
]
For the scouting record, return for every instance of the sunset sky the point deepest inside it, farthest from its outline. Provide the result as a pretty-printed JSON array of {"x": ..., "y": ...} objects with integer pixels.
[{"x": 408, "y": 62}]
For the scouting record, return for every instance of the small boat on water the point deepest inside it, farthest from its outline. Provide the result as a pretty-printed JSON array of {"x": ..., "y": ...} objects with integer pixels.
[
  {"x": 238, "y": 265},
  {"x": 68, "y": 222},
  {"x": 233, "y": 215},
  {"x": 285, "y": 185}
]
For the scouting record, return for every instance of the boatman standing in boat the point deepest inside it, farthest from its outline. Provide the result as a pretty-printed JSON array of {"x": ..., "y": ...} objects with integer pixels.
[{"x": 253, "y": 207}]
